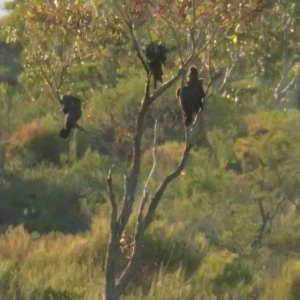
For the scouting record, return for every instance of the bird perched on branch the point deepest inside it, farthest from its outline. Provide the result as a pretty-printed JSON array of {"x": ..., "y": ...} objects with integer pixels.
[
  {"x": 156, "y": 56},
  {"x": 191, "y": 96},
  {"x": 71, "y": 107}
]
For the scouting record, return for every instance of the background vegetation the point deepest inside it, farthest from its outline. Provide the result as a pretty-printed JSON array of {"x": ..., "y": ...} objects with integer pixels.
[{"x": 227, "y": 228}]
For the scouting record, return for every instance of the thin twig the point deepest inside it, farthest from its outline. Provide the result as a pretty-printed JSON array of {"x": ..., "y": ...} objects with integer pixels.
[
  {"x": 81, "y": 128},
  {"x": 129, "y": 24},
  {"x": 43, "y": 72},
  {"x": 153, "y": 157}
]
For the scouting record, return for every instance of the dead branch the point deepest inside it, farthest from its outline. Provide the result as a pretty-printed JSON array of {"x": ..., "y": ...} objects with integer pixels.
[
  {"x": 193, "y": 132},
  {"x": 77, "y": 126},
  {"x": 153, "y": 157},
  {"x": 276, "y": 208},
  {"x": 169, "y": 178},
  {"x": 111, "y": 264},
  {"x": 134, "y": 174},
  {"x": 137, "y": 251},
  {"x": 134, "y": 260},
  {"x": 296, "y": 204},
  {"x": 112, "y": 197},
  {"x": 169, "y": 83},
  {"x": 147, "y": 87}
]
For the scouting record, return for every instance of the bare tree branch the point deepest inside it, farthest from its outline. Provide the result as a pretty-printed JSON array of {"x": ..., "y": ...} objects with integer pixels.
[
  {"x": 276, "y": 208},
  {"x": 169, "y": 178},
  {"x": 263, "y": 214},
  {"x": 134, "y": 174},
  {"x": 133, "y": 178},
  {"x": 138, "y": 50},
  {"x": 296, "y": 204},
  {"x": 153, "y": 157},
  {"x": 137, "y": 251},
  {"x": 113, "y": 203},
  {"x": 282, "y": 90},
  {"x": 81, "y": 128},
  {"x": 134, "y": 260},
  {"x": 147, "y": 87},
  {"x": 113, "y": 246},
  {"x": 60, "y": 82},
  {"x": 169, "y": 83},
  {"x": 51, "y": 82}
]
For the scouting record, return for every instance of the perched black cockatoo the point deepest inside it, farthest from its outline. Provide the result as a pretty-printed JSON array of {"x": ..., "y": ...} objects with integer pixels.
[
  {"x": 191, "y": 96},
  {"x": 71, "y": 107},
  {"x": 156, "y": 55}
]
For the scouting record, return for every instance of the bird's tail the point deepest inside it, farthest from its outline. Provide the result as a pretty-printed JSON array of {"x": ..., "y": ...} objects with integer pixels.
[
  {"x": 65, "y": 132},
  {"x": 157, "y": 73}
]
